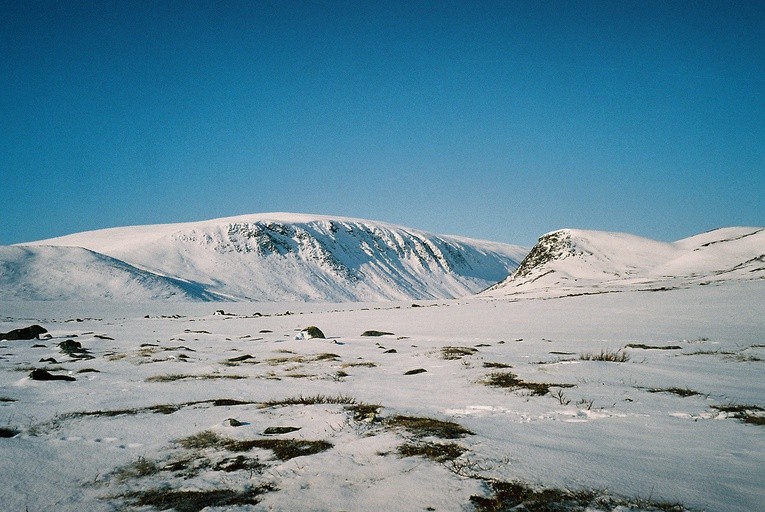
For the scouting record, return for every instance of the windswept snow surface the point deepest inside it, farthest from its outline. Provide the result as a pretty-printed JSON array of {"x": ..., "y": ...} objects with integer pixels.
[
  {"x": 73, "y": 273},
  {"x": 572, "y": 261},
  {"x": 667, "y": 423},
  {"x": 292, "y": 257}
]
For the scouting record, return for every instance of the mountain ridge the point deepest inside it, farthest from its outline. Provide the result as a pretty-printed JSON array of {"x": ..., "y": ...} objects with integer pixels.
[
  {"x": 309, "y": 258},
  {"x": 301, "y": 257}
]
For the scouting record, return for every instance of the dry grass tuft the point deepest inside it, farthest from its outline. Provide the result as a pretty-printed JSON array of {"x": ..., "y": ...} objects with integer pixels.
[
  {"x": 438, "y": 452},
  {"x": 521, "y": 496},
  {"x": 488, "y": 364},
  {"x": 311, "y": 400},
  {"x": 512, "y": 381},
  {"x": 653, "y": 347},
  {"x": 611, "y": 356},
  {"x": 751, "y": 414},
  {"x": 684, "y": 392},
  {"x": 194, "y": 501},
  {"x": 180, "y": 376},
  {"x": 202, "y": 440},
  {"x": 453, "y": 353},
  {"x": 283, "y": 449}
]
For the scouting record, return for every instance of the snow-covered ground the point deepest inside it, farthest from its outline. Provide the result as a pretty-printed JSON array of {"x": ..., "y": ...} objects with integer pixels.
[{"x": 658, "y": 426}]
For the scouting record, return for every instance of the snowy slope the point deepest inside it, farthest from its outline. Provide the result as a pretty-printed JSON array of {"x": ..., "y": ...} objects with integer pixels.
[
  {"x": 73, "y": 273},
  {"x": 580, "y": 261},
  {"x": 292, "y": 257}
]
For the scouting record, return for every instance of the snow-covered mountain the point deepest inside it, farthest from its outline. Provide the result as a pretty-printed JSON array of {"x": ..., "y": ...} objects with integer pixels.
[
  {"x": 73, "y": 273},
  {"x": 291, "y": 257},
  {"x": 573, "y": 261}
]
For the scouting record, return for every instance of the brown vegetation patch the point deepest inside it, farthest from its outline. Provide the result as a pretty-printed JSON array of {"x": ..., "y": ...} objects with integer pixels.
[
  {"x": 488, "y": 364},
  {"x": 521, "y": 496},
  {"x": 653, "y": 347},
  {"x": 512, "y": 381},
  {"x": 611, "y": 356},
  {"x": 428, "y": 427},
  {"x": 453, "y": 353},
  {"x": 684, "y": 392},
  {"x": 194, "y": 501},
  {"x": 751, "y": 414},
  {"x": 182, "y": 376},
  {"x": 438, "y": 452},
  {"x": 283, "y": 449}
]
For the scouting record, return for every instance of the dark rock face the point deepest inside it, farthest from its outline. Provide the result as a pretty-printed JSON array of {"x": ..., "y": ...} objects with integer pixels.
[
  {"x": 38, "y": 374},
  {"x": 552, "y": 246},
  {"x": 26, "y": 333}
]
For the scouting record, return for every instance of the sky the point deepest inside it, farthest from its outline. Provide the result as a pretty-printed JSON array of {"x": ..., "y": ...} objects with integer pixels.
[{"x": 495, "y": 120}]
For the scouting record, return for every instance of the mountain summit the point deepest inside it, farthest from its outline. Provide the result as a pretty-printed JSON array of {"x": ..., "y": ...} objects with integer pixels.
[{"x": 292, "y": 257}]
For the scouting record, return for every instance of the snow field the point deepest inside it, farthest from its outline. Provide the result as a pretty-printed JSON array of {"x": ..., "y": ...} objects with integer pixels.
[{"x": 620, "y": 426}]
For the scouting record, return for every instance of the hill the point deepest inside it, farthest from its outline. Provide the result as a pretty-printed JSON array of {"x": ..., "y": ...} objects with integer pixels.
[
  {"x": 571, "y": 261},
  {"x": 73, "y": 273},
  {"x": 290, "y": 257}
]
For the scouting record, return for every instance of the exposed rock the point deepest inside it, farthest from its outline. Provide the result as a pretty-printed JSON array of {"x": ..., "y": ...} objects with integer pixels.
[
  {"x": 38, "y": 374},
  {"x": 271, "y": 431},
  {"x": 239, "y": 359},
  {"x": 6, "y": 432},
  {"x": 69, "y": 346},
  {"x": 26, "y": 333},
  {"x": 74, "y": 349},
  {"x": 552, "y": 246},
  {"x": 377, "y": 333},
  {"x": 312, "y": 332}
]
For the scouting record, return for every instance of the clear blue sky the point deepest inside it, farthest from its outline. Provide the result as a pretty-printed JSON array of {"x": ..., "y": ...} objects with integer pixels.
[{"x": 498, "y": 120}]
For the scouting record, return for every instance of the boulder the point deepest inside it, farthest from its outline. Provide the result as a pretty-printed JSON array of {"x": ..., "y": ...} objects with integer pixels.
[
  {"x": 38, "y": 374},
  {"x": 26, "y": 333},
  {"x": 312, "y": 332},
  {"x": 377, "y": 333}
]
